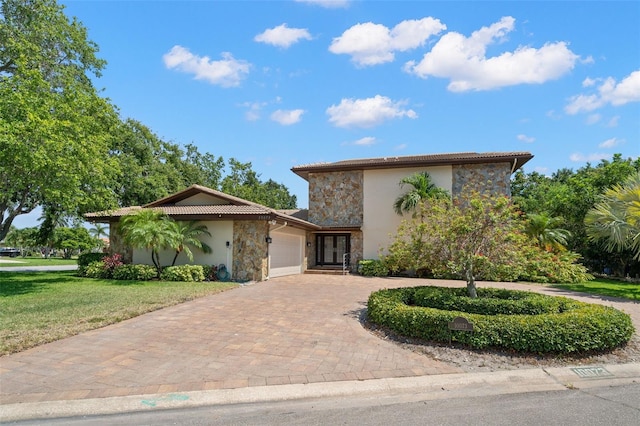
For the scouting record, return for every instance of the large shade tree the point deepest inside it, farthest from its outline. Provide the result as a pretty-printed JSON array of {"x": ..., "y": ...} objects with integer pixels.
[{"x": 54, "y": 126}]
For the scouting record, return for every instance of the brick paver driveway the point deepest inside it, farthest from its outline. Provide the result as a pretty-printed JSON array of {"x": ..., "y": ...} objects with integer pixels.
[{"x": 296, "y": 329}]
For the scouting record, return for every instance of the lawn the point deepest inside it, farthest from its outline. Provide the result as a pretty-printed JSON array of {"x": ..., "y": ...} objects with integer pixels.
[
  {"x": 35, "y": 261},
  {"x": 41, "y": 307},
  {"x": 606, "y": 287}
]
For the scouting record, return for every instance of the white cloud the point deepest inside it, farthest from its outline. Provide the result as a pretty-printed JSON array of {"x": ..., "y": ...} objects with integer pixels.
[
  {"x": 287, "y": 117},
  {"x": 593, "y": 118},
  {"x": 329, "y": 4},
  {"x": 227, "y": 72},
  {"x": 610, "y": 143},
  {"x": 366, "y": 141},
  {"x": 614, "y": 121},
  {"x": 525, "y": 138},
  {"x": 463, "y": 60},
  {"x": 400, "y": 147},
  {"x": 608, "y": 92},
  {"x": 367, "y": 112},
  {"x": 581, "y": 158},
  {"x": 588, "y": 82},
  {"x": 254, "y": 109},
  {"x": 372, "y": 44},
  {"x": 283, "y": 36}
]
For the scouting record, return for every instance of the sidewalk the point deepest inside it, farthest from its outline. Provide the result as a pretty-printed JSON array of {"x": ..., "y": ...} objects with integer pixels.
[{"x": 299, "y": 331}]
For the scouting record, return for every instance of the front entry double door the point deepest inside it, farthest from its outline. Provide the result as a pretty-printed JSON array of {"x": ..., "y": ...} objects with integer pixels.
[{"x": 331, "y": 249}]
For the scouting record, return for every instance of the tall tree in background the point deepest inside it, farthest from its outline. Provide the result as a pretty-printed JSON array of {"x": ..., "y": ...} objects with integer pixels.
[
  {"x": 54, "y": 126},
  {"x": 242, "y": 181},
  {"x": 569, "y": 195}
]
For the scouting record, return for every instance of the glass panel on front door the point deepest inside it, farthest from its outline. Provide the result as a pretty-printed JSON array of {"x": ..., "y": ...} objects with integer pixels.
[{"x": 331, "y": 248}]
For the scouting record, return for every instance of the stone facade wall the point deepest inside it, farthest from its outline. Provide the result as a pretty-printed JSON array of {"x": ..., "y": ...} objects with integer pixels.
[
  {"x": 357, "y": 249},
  {"x": 493, "y": 178},
  {"x": 116, "y": 245},
  {"x": 250, "y": 250},
  {"x": 336, "y": 198},
  {"x": 310, "y": 250}
]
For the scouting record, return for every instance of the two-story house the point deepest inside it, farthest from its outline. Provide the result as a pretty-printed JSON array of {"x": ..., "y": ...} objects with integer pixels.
[{"x": 350, "y": 215}]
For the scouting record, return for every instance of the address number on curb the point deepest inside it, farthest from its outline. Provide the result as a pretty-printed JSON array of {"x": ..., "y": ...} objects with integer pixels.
[{"x": 591, "y": 372}]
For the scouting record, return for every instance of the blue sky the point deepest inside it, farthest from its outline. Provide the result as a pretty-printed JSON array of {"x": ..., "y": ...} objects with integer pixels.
[{"x": 284, "y": 83}]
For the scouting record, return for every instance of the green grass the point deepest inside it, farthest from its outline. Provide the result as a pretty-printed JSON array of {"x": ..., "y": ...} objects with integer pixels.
[
  {"x": 36, "y": 261},
  {"x": 606, "y": 287},
  {"x": 41, "y": 307}
]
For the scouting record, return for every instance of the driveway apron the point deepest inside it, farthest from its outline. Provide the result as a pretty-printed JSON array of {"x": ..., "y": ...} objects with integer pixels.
[{"x": 296, "y": 329}]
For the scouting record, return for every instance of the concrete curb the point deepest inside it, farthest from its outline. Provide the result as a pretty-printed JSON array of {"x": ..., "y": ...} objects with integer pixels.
[{"x": 434, "y": 387}]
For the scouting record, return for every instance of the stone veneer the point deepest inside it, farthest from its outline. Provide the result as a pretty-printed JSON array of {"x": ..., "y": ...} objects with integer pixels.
[
  {"x": 250, "y": 250},
  {"x": 116, "y": 244},
  {"x": 336, "y": 198},
  {"x": 357, "y": 249},
  {"x": 493, "y": 178}
]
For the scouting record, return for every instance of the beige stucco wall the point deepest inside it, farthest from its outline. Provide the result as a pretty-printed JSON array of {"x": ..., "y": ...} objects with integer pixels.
[
  {"x": 381, "y": 189},
  {"x": 221, "y": 232},
  {"x": 201, "y": 200}
]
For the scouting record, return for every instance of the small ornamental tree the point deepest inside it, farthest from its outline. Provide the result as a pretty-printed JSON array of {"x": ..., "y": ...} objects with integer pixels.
[{"x": 460, "y": 238}]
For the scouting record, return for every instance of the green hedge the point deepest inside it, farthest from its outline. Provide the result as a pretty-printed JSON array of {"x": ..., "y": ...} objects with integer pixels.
[
  {"x": 183, "y": 273},
  {"x": 556, "y": 325},
  {"x": 372, "y": 268}
]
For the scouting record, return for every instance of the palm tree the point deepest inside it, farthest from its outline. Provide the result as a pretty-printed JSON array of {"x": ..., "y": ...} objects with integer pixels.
[
  {"x": 185, "y": 234},
  {"x": 546, "y": 231},
  {"x": 615, "y": 219},
  {"x": 423, "y": 188},
  {"x": 99, "y": 230},
  {"x": 148, "y": 229}
]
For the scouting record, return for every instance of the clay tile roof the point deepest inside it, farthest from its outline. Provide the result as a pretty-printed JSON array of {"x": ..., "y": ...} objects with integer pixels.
[
  {"x": 517, "y": 158},
  {"x": 173, "y": 210}
]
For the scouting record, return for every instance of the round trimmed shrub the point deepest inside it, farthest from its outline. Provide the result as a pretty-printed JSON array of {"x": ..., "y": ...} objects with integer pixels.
[
  {"x": 372, "y": 268},
  {"x": 517, "y": 320},
  {"x": 135, "y": 272},
  {"x": 86, "y": 259},
  {"x": 96, "y": 270},
  {"x": 183, "y": 273}
]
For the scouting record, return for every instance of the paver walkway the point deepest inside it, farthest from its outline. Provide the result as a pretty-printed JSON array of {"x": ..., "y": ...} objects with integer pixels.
[{"x": 297, "y": 329}]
